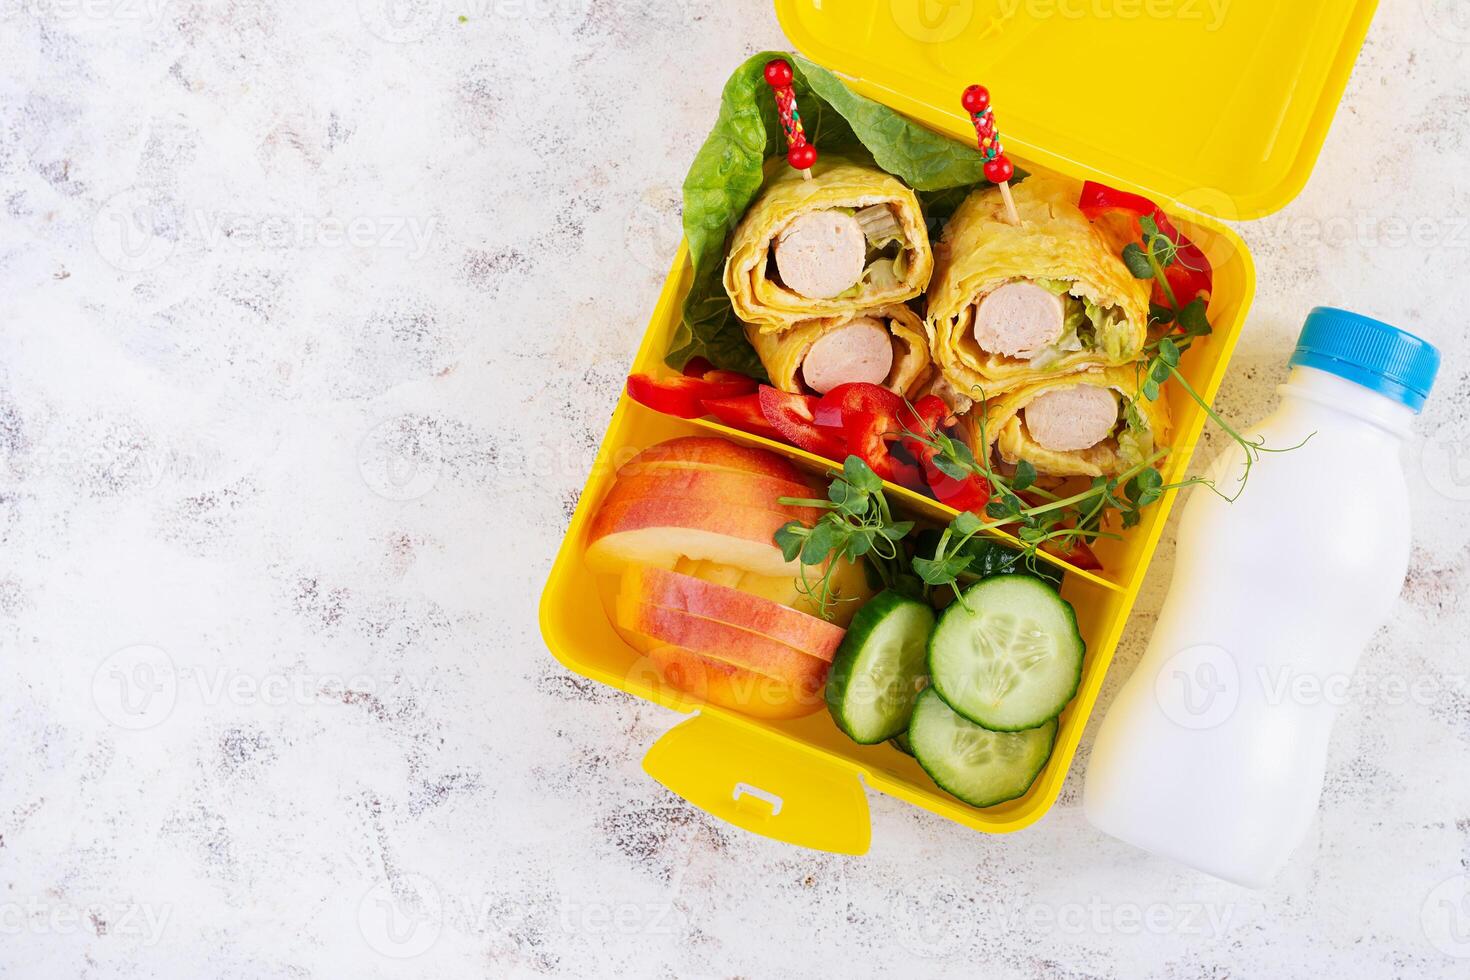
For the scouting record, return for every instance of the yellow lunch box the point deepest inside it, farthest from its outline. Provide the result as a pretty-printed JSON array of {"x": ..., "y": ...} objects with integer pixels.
[{"x": 1212, "y": 108}]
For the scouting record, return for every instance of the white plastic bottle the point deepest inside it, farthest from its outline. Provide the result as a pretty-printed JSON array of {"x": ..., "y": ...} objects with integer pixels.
[{"x": 1214, "y": 751}]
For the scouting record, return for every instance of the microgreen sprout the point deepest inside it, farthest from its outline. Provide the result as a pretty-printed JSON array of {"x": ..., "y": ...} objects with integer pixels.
[
  {"x": 1040, "y": 519},
  {"x": 1182, "y": 326},
  {"x": 858, "y": 524}
]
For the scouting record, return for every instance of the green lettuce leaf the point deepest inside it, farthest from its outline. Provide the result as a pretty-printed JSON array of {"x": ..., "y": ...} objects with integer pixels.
[
  {"x": 1110, "y": 329},
  {"x": 728, "y": 171},
  {"x": 1086, "y": 326},
  {"x": 1135, "y": 438},
  {"x": 924, "y": 160}
]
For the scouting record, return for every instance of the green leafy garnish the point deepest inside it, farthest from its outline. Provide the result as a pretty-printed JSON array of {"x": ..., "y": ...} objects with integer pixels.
[
  {"x": 1042, "y": 521},
  {"x": 859, "y": 524},
  {"x": 1147, "y": 259},
  {"x": 1039, "y": 519},
  {"x": 963, "y": 553}
]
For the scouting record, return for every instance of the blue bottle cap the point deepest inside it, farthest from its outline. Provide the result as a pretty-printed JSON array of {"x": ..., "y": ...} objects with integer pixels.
[{"x": 1369, "y": 352}]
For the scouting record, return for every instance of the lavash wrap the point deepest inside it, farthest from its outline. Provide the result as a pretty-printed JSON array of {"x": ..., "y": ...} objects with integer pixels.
[
  {"x": 1143, "y": 426},
  {"x": 783, "y": 353},
  {"x": 761, "y": 300},
  {"x": 981, "y": 251}
]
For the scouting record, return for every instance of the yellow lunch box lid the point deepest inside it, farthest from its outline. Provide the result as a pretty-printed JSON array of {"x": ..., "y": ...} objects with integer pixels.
[{"x": 1219, "y": 106}]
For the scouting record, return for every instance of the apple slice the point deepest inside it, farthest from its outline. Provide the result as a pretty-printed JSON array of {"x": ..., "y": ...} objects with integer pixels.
[
  {"x": 753, "y": 614},
  {"x": 711, "y": 452},
  {"x": 716, "y": 487},
  {"x": 849, "y": 584},
  {"x": 722, "y": 641},
  {"x": 713, "y": 572},
  {"x": 664, "y": 507},
  {"x": 711, "y": 680},
  {"x": 661, "y": 530},
  {"x": 850, "y": 587},
  {"x": 714, "y": 682}
]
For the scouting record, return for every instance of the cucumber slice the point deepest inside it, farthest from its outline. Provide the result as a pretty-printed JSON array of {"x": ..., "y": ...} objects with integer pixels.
[
  {"x": 974, "y": 764},
  {"x": 1008, "y": 656},
  {"x": 876, "y": 671},
  {"x": 901, "y": 742}
]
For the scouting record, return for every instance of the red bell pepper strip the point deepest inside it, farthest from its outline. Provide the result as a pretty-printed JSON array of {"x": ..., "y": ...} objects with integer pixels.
[
  {"x": 867, "y": 416},
  {"x": 697, "y": 367},
  {"x": 929, "y": 415},
  {"x": 850, "y": 402},
  {"x": 1076, "y": 553},
  {"x": 743, "y": 413},
  {"x": 1189, "y": 276},
  {"x": 971, "y": 493},
  {"x": 791, "y": 415},
  {"x": 734, "y": 378},
  {"x": 1099, "y": 199},
  {"x": 867, "y": 439},
  {"x": 684, "y": 397}
]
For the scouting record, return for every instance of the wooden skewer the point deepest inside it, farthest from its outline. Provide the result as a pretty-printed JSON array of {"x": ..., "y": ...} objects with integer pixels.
[{"x": 1012, "y": 215}]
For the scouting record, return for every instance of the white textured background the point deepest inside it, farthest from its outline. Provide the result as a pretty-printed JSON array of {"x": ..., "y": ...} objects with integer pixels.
[{"x": 312, "y": 320}]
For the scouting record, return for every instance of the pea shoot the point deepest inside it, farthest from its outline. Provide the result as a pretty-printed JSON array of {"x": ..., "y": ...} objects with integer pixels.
[
  {"x": 1040, "y": 519},
  {"x": 858, "y": 524},
  {"x": 1181, "y": 327}
]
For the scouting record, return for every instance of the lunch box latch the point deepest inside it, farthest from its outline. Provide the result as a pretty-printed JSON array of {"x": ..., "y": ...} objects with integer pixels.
[{"x": 762, "y": 783}]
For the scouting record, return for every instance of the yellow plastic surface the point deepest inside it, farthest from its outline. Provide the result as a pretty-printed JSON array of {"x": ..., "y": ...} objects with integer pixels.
[
  {"x": 734, "y": 766},
  {"x": 1221, "y": 105},
  {"x": 766, "y": 784}
]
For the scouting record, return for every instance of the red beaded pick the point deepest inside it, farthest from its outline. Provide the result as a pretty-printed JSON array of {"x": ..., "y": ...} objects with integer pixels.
[
  {"x": 802, "y": 157},
  {"x": 800, "y": 153},
  {"x": 976, "y": 100}
]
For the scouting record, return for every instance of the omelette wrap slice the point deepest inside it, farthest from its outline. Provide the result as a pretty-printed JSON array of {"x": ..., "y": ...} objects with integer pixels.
[
  {"x": 1088, "y": 423},
  {"x": 1009, "y": 304},
  {"x": 885, "y": 346},
  {"x": 852, "y": 238}
]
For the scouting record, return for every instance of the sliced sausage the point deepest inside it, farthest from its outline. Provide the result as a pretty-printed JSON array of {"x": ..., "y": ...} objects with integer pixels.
[
  {"x": 859, "y": 350},
  {"x": 1018, "y": 319},
  {"x": 821, "y": 254},
  {"x": 1068, "y": 419}
]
